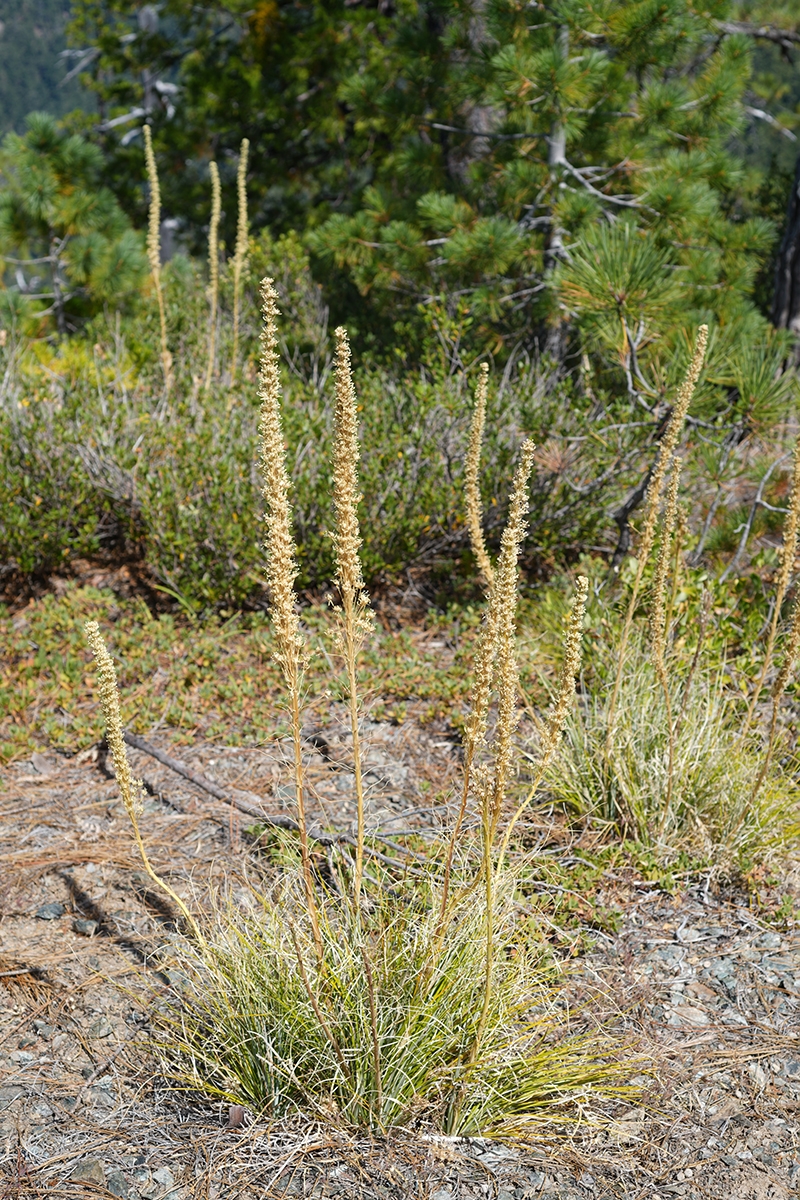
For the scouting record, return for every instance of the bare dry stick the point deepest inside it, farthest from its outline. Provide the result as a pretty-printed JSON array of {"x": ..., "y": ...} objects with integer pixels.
[
  {"x": 472, "y": 488},
  {"x": 282, "y": 565},
  {"x": 130, "y": 789},
  {"x": 240, "y": 253},
  {"x": 213, "y": 269},
  {"x": 154, "y": 250},
  {"x": 653, "y": 496},
  {"x": 788, "y": 554},
  {"x": 658, "y": 626},
  {"x": 355, "y": 621}
]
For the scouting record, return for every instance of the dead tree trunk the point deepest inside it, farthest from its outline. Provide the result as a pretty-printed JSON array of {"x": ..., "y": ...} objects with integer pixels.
[{"x": 786, "y": 298}]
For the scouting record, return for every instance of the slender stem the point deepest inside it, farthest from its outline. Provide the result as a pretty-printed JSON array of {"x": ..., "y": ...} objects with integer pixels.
[
  {"x": 351, "y": 650},
  {"x": 299, "y": 781},
  {"x": 373, "y": 1020},
  {"x": 323, "y": 1024},
  {"x": 488, "y": 883}
]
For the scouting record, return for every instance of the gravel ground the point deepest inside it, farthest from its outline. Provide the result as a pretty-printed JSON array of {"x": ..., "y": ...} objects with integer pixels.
[{"x": 709, "y": 995}]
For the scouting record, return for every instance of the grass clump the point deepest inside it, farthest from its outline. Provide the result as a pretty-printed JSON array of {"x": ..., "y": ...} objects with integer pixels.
[
  {"x": 696, "y": 793},
  {"x": 377, "y": 996},
  {"x": 664, "y": 747}
]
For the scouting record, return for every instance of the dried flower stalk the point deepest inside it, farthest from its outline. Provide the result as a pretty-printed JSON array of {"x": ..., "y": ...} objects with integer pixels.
[
  {"x": 154, "y": 250},
  {"x": 240, "y": 253},
  {"x": 282, "y": 564},
  {"x": 213, "y": 269},
  {"x": 652, "y": 500},
  {"x": 556, "y": 717},
  {"x": 778, "y": 689},
  {"x": 355, "y": 621},
  {"x": 788, "y": 555},
  {"x": 130, "y": 789},
  {"x": 472, "y": 478},
  {"x": 503, "y": 598},
  {"x": 658, "y": 625}
]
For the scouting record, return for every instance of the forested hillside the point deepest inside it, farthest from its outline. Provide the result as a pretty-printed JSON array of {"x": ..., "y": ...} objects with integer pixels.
[{"x": 33, "y": 67}]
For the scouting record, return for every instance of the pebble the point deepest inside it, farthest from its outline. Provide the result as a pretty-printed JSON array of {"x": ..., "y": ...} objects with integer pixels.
[
  {"x": 100, "y": 1028},
  {"x": 50, "y": 912},
  {"x": 117, "y": 1184},
  {"x": 89, "y": 1171},
  {"x": 84, "y": 926}
]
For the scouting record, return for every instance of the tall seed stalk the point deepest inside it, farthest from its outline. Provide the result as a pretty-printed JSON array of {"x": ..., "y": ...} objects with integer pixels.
[
  {"x": 472, "y": 478},
  {"x": 504, "y": 599},
  {"x": 659, "y": 629},
  {"x": 130, "y": 789},
  {"x": 282, "y": 566},
  {"x": 240, "y": 253},
  {"x": 556, "y": 717},
  {"x": 778, "y": 689},
  {"x": 347, "y": 540},
  {"x": 652, "y": 499},
  {"x": 788, "y": 554},
  {"x": 213, "y": 269},
  {"x": 154, "y": 251}
]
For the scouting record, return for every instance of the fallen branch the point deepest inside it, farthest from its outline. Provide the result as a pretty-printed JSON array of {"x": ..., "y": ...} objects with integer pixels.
[{"x": 253, "y": 805}]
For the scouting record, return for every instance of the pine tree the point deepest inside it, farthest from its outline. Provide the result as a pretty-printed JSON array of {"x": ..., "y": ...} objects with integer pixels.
[{"x": 66, "y": 244}]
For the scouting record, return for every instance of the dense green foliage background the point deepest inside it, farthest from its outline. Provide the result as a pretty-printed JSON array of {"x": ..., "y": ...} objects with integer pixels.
[{"x": 564, "y": 189}]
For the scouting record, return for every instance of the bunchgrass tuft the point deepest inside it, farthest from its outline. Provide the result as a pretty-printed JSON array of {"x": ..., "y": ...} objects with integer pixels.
[
  {"x": 395, "y": 995},
  {"x": 258, "y": 1019},
  {"x": 699, "y": 793}
]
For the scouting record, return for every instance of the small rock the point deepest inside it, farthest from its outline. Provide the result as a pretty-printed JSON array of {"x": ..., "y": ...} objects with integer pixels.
[
  {"x": 770, "y": 941},
  {"x": 117, "y": 1184},
  {"x": 43, "y": 1029},
  {"x": 22, "y": 1057},
  {"x": 100, "y": 1028},
  {"x": 89, "y": 1171},
  {"x": 9, "y": 1094},
  {"x": 84, "y": 926},
  {"x": 687, "y": 1014},
  {"x": 50, "y": 912},
  {"x": 628, "y": 1128},
  {"x": 44, "y": 765},
  {"x": 758, "y": 1075}
]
